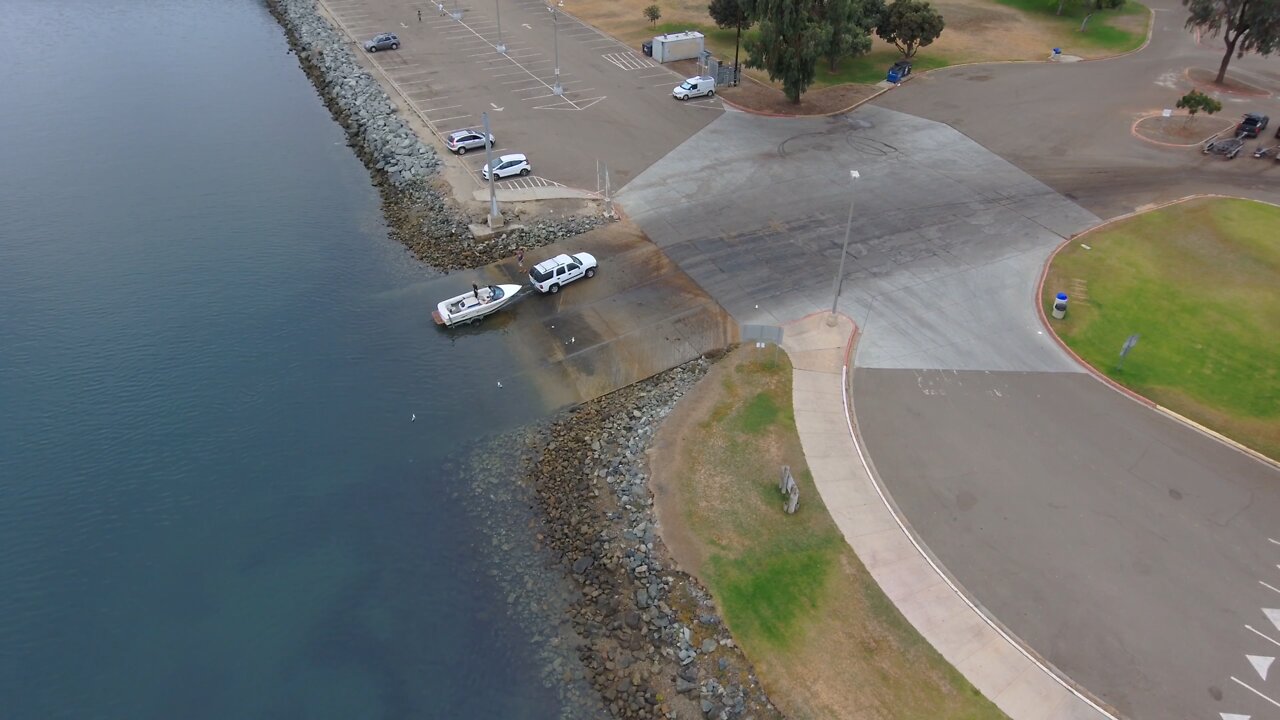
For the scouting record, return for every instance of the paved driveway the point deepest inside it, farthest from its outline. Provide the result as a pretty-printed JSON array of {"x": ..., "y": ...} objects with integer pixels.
[
  {"x": 946, "y": 245},
  {"x": 1069, "y": 124},
  {"x": 616, "y": 106}
]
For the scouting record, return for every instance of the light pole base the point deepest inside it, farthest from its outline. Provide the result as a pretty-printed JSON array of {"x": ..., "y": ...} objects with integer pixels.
[
  {"x": 496, "y": 221},
  {"x": 457, "y": 15},
  {"x": 501, "y": 48},
  {"x": 557, "y": 89},
  {"x": 832, "y": 319}
]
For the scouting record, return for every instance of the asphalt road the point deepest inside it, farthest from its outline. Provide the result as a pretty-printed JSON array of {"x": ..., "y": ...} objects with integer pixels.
[
  {"x": 1127, "y": 550},
  {"x": 1069, "y": 124},
  {"x": 616, "y": 107}
]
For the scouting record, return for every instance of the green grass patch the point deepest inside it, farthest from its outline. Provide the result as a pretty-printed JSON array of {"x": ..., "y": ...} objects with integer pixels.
[
  {"x": 769, "y": 589},
  {"x": 871, "y": 68},
  {"x": 1101, "y": 31},
  {"x": 760, "y": 413},
  {"x": 1200, "y": 283}
]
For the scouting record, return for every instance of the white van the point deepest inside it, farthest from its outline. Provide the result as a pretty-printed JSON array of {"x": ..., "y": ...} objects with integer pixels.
[{"x": 695, "y": 87}]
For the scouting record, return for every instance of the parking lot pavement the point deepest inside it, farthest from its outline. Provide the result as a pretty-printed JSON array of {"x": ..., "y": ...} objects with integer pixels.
[
  {"x": 616, "y": 107},
  {"x": 946, "y": 244}
]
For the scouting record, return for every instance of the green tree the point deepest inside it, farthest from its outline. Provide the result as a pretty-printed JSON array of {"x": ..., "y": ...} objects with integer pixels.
[
  {"x": 734, "y": 14},
  {"x": 1195, "y": 101},
  {"x": 788, "y": 44},
  {"x": 653, "y": 14},
  {"x": 848, "y": 25},
  {"x": 1245, "y": 26},
  {"x": 910, "y": 25}
]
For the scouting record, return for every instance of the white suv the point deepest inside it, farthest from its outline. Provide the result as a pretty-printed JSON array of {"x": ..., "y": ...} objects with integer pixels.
[{"x": 549, "y": 275}]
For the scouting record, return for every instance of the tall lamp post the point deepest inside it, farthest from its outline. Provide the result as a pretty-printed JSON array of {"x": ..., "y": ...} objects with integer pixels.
[
  {"x": 501, "y": 47},
  {"x": 844, "y": 250},
  {"x": 556, "y": 89},
  {"x": 494, "y": 218}
]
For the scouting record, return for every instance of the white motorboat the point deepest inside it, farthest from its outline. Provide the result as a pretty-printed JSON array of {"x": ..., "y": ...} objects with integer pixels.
[{"x": 474, "y": 304}]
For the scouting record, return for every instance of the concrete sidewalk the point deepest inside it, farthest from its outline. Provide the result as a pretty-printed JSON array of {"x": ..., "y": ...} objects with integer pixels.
[{"x": 1021, "y": 687}]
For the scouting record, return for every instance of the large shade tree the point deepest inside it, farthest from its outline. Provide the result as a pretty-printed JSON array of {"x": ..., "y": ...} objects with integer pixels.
[
  {"x": 847, "y": 25},
  {"x": 1245, "y": 26},
  {"x": 734, "y": 14},
  {"x": 910, "y": 25},
  {"x": 788, "y": 44}
]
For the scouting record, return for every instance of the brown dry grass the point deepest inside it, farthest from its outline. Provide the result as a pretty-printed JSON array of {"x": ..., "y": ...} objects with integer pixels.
[
  {"x": 824, "y": 639},
  {"x": 977, "y": 30}
]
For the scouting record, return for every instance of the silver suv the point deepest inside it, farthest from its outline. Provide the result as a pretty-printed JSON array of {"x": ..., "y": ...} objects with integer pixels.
[
  {"x": 382, "y": 41},
  {"x": 461, "y": 141}
]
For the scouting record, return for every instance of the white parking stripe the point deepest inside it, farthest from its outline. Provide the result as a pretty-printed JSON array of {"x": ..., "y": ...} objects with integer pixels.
[
  {"x": 455, "y": 117},
  {"x": 442, "y": 107}
]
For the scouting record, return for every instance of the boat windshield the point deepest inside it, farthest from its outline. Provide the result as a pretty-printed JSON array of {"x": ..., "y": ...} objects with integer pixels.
[{"x": 495, "y": 292}]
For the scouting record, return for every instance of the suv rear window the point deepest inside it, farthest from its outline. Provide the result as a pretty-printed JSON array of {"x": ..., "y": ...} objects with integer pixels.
[{"x": 540, "y": 276}]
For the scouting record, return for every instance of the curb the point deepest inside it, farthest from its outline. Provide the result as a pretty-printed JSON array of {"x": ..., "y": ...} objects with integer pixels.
[
  {"x": 1133, "y": 130},
  {"x": 1131, "y": 394},
  {"x": 833, "y": 113}
]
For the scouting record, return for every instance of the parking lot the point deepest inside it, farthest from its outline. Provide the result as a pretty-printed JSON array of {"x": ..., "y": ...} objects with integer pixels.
[{"x": 615, "y": 107}]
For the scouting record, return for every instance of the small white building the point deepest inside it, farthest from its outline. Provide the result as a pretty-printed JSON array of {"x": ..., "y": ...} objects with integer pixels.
[{"x": 677, "y": 46}]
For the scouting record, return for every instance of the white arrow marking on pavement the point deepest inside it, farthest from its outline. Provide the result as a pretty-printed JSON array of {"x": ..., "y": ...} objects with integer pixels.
[
  {"x": 495, "y": 107},
  {"x": 1233, "y": 716},
  {"x": 1277, "y": 542},
  {"x": 1273, "y": 615},
  {"x": 1261, "y": 663},
  {"x": 403, "y": 25},
  {"x": 526, "y": 26},
  {"x": 1272, "y": 587}
]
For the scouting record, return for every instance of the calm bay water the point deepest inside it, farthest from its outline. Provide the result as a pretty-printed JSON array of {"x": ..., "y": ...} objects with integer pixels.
[{"x": 212, "y": 501}]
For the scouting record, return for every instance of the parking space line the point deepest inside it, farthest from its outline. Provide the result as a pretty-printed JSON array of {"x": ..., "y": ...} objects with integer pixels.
[
  {"x": 1271, "y": 587},
  {"x": 455, "y": 117},
  {"x": 442, "y": 107}
]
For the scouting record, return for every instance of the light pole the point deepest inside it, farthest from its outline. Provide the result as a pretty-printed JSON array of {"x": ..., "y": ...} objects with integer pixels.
[
  {"x": 457, "y": 14},
  {"x": 844, "y": 250},
  {"x": 500, "y": 47},
  {"x": 555, "y": 22},
  {"x": 494, "y": 218}
]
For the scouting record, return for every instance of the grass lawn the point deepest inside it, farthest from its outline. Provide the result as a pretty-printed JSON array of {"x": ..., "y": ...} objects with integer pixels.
[
  {"x": 1200, "y": 283},
  {"x": 1118, "y": 31},
  {"x": 823, "y": 638}
]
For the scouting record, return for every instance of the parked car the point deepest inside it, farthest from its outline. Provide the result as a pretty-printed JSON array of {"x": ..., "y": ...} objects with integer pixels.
[
  {"x": 460, "y": 141},
  {"x": 695, "y": 87},
  {"x": 382, "y": 41},
  {"x": 506, "y": 166},
  {"x": 549, "y": 276},
  {"x": 899, "y": 71},
  {"x": 1252, "y": 124}
]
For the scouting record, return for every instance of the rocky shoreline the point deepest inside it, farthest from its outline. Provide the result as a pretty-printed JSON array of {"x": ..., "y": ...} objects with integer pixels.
[
  {"x": 406, "y": 170},
  {"x": 596, "y": 588}
]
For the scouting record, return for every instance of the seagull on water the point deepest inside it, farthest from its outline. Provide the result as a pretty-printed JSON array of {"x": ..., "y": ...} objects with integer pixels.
[
  {"x": 413, "y": 416},
  {"x": 499, "y": 383}
]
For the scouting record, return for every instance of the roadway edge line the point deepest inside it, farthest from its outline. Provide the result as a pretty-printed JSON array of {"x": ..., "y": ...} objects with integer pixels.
[{"x": 1056, "y": 675}]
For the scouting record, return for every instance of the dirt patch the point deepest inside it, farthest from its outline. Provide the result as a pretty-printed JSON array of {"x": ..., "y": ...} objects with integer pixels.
[
  {"x": 1180, "y": 129},
  {"x": 759, "y": 97},
  {"x": 1205, "y": 78}
]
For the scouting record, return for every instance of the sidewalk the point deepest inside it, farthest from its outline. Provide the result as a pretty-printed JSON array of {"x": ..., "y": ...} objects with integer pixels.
[{"x": 1018, "y": 685}]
